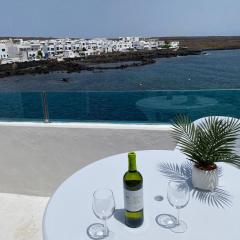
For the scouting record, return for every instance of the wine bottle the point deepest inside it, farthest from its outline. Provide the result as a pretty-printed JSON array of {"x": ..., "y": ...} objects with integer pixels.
[{"x": 133, "y": 194}]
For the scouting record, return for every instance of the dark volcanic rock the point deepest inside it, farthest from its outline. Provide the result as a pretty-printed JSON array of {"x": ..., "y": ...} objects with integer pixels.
[
  {"x": 139, "y": 58},
  {"x": 65, "y": 80}
]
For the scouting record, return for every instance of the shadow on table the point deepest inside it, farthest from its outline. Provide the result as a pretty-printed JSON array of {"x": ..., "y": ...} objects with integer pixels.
[
  {"x": 95, "y": 233},
  {"x": 218, "y": 198},
  {"x": 119, "y": 215}
]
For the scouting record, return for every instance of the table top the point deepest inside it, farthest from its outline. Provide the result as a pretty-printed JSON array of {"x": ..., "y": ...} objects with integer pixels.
[{"x": 208, "y": 215}]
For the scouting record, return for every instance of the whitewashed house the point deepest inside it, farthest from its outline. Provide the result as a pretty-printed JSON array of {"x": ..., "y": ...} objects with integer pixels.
[
  {"x": 59, "y": 47},
  {"x": 143, "y": 45},
  {"x": 107, "y": 48},
  {"x": 23, "y": 50},
  {"x": 12, "y": 49},
  {"x": 35, "y": 45},
  {"x": 69, "y": 54},
  {"x": 129, "y": 39},
  {"x": 18, "y": 50},
  {"x": 68, "y": 46},
  {"x": 32, "y": 55},
  {"x": 51, "y": 48},
  {"x": 77, "y": 47},
  {"x": 153, "y": 44},
  {"x": 3, "y": 51},
  {"x": 44, "y": 49},
  {"x": 174, "y": 44},
  {"x": 137, "y": 45},
  {"x": 122, "y": 46}
]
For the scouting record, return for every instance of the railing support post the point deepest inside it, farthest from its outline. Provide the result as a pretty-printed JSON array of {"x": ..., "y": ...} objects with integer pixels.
[{"x": 45, "y": 107}]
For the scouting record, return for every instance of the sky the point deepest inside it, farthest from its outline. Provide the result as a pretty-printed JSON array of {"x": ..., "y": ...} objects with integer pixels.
[{"x": 114, "y": 18}]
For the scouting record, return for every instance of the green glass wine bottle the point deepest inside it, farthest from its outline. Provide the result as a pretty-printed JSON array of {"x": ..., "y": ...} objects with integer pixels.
[{"x": 133, "y": 194}]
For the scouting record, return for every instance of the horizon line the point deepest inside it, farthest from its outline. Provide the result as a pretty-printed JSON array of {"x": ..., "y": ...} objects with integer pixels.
[{"x": 167, "y": 36}]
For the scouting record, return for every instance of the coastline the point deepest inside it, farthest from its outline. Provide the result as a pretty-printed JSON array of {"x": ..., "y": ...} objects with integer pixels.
[
  {"x": 138, "y": 58},
  {"x": 209, "y": 70}
]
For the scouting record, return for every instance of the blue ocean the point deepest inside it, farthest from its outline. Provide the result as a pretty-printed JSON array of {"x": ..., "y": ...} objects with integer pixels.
[
  {"x": 202, "y": 85},
  {"x": 213, "y": 70}
]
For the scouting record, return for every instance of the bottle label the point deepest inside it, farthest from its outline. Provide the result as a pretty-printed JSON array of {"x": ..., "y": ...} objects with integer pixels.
[{"x": 133, "y": 200}]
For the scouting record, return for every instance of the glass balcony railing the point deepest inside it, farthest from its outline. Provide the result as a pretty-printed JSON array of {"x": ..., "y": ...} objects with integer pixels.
[{"x": 118, "y": 107}]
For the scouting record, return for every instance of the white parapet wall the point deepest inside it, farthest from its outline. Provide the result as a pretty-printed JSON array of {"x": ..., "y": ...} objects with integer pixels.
[{"x": 36, "y": 157}]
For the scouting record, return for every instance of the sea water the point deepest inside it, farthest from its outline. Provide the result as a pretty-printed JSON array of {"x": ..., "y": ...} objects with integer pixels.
[
  {"x": 198, "y": 86},
  {"x": 214, "y": 70}
]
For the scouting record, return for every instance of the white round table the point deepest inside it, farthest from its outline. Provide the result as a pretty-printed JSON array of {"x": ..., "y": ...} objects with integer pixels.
[{"x": 208, "y": 215}]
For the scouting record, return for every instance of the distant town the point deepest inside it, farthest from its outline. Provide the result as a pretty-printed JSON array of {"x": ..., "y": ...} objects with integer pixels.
[
  {"x": 14, "y": 50},
  {"x": 31, "y": 55}
]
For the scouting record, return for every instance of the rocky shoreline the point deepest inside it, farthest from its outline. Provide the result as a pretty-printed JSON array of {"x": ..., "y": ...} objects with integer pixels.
[{"x": 135, "y": 59}]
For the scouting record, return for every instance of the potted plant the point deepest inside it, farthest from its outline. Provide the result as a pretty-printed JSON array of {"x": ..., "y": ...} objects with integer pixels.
[{"x": 211, "y": 141}]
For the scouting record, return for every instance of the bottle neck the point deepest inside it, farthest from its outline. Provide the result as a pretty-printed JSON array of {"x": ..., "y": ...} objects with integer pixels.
[{"x": 132, "y": 166}]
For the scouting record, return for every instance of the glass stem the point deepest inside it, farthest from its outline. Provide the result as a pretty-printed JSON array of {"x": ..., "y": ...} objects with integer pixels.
[
  {"x": 178, "y": 214},
  {"x": 105, "y": 227}
]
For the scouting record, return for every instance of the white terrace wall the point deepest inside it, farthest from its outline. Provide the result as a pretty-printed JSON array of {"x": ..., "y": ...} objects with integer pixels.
[{"x": 35, "y": 159}]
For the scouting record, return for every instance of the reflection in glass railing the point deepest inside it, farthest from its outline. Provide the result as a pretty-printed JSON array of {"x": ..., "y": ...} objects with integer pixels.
[
  {"x": 124, "y": 107},
  {"x": 19, "y": 106}
]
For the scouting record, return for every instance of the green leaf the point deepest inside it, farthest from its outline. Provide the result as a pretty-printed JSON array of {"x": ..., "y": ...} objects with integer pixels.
[{"x": 212, "y": 140}]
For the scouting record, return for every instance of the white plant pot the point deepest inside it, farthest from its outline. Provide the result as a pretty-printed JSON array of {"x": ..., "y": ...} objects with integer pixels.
[{"x": 205, "y": 180}]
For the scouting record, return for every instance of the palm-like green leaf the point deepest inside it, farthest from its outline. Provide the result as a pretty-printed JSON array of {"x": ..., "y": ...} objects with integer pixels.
[{"x": 211, "y": 141}]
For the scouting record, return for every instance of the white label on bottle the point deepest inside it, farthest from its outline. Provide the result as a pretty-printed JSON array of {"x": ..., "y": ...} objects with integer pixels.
[{"x": 133, "y": 200}]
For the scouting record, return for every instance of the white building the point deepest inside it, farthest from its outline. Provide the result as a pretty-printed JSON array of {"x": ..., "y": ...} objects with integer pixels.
[
  {"x": 3, "y": 51},
  {"x": 23, "y": 50},
  {"x": 51, "y": 49},
  {"x": 18, "y": 50},
  {"x": 69, "y": 54},
  {"x": 174, "y": 44},
  {"x": 68, "y": 46},
  {"x": 32, "y": 54},
  {"x": 12, "y": 49},
  {"x": 129, "y": 39}
]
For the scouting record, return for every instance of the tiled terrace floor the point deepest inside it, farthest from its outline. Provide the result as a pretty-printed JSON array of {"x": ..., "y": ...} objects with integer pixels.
[{"x": 21, "y": 216}]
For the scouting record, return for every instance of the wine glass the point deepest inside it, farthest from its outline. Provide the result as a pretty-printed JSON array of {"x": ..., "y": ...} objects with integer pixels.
[
  {"x": 103, "y": 207},
  {"x": 178, "y": 196}
]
